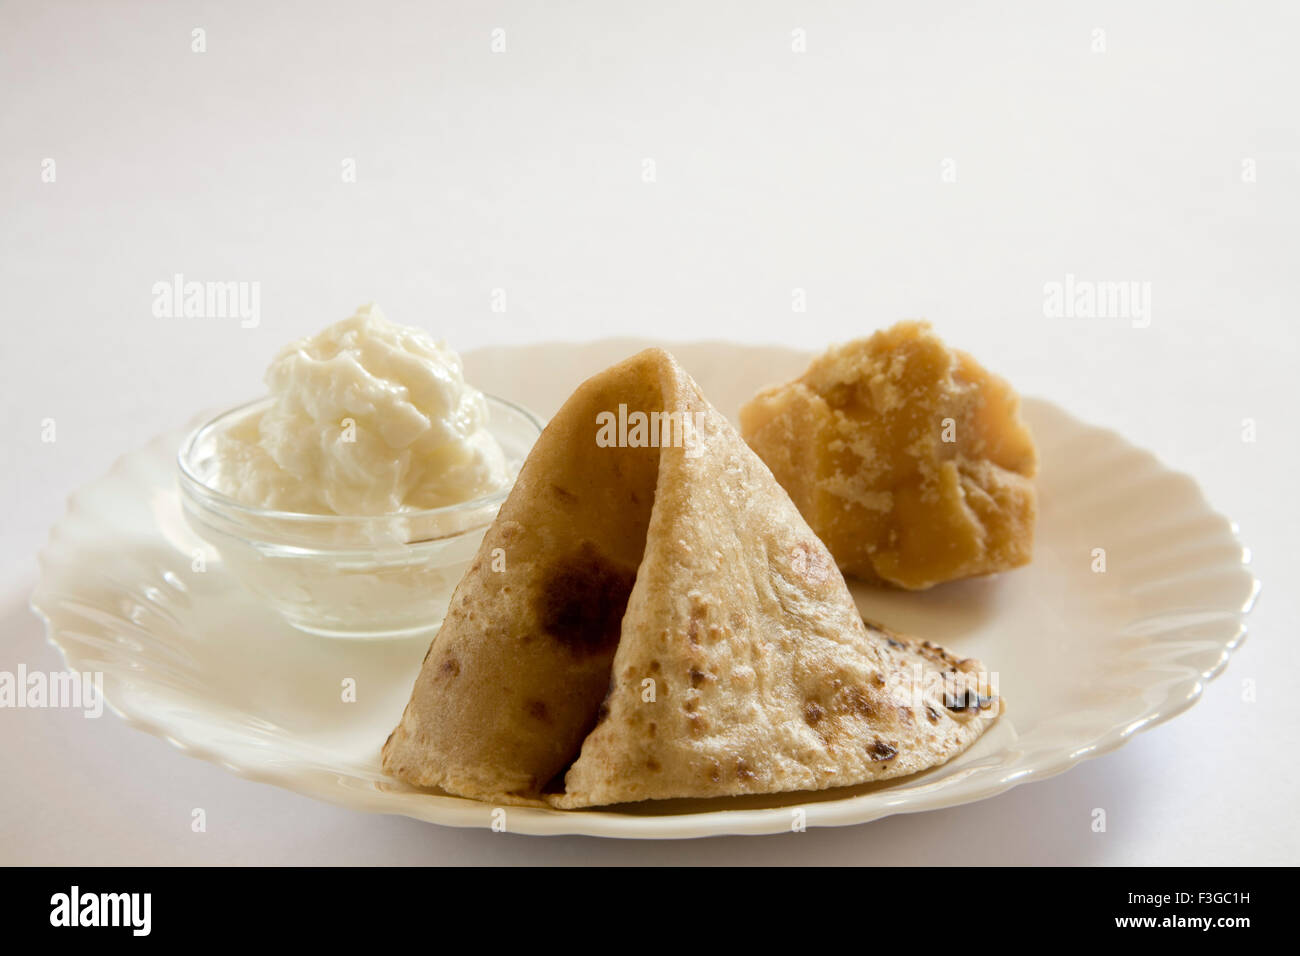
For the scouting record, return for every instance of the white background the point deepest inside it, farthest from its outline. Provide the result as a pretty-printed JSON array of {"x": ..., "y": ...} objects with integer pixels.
[{"x": 775, "y": 170}]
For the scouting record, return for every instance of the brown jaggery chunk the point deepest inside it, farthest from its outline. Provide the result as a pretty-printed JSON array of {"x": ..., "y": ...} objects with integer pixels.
[{"x": 858, "y": 441}]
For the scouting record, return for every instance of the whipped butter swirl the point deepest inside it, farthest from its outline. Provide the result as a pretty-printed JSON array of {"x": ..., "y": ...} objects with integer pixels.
[{"x": 366, "y": 418}]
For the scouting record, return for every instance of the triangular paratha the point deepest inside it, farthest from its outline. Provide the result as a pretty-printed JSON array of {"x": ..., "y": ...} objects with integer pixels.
[{"x": 650, "y": 617}]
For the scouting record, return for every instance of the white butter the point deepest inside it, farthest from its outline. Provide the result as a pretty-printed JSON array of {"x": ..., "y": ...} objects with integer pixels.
[{"x": 367, "y": 418}]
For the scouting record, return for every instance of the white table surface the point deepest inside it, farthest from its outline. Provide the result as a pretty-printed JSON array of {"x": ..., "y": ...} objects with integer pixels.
[{"x": 774, "y": 170}]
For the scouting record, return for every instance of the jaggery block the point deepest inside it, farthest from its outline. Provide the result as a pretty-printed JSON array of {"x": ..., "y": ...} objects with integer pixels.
[{"x": 907, "y": 458}]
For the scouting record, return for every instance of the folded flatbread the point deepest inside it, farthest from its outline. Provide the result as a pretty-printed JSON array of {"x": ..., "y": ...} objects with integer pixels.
[{"x": 650, "y": 617}]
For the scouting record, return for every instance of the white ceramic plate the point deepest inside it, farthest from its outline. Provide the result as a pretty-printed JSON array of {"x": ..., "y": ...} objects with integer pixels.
[{"x": 1085, "y": 659}]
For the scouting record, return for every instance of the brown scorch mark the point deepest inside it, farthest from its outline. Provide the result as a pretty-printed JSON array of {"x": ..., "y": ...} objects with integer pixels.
[
  {"x": 582, "y": 599},
  {"x": 879, "y": 750}
]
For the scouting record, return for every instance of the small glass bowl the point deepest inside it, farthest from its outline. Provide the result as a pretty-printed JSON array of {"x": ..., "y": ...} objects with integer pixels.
[{"x": 343, "y": 575}]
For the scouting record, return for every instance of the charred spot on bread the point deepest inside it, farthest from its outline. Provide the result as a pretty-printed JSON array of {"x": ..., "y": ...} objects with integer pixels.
[
  {"x": 537, "y": 710},
  {"x": 859, "y": 703},
  {"x": 879, "y": 750},
  {"x": 582, "y": 600}
]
